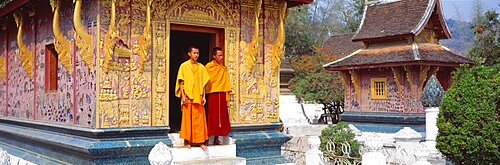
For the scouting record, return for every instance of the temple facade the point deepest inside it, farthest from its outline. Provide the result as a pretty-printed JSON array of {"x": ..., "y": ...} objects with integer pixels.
[
  {"x": 387, "y": 62},
  {"x": 100, "y": 68}
]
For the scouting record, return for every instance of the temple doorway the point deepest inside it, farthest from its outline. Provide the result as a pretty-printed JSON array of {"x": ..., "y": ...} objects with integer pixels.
[{"x": 181, "y": 38}]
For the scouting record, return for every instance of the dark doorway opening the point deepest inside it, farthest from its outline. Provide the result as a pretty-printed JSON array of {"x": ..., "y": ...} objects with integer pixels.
[{"x": 181, "y": 38}]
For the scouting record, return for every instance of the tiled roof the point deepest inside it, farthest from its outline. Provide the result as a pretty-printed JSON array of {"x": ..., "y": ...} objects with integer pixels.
[
  {"x": 341, "y": 45},
  {"x": 399, "y": 55},
  {"x": 395, "y": 18},
  {"x": 4, "y": 3}
]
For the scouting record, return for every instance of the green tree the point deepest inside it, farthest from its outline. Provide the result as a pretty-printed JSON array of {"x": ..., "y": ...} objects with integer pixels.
[
  {"x": 468, "y": 122},
  {"x": 310, "y": 24},
  {"x": 311, "y": 82},
  {"x": 486, "y": 37}
]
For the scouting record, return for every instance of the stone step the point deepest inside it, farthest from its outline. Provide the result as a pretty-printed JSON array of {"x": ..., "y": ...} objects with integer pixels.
[
  {"x": 194, "y": 153},
  {"x": 214, "y": 161},
  {"x": 179, "y": 142}
]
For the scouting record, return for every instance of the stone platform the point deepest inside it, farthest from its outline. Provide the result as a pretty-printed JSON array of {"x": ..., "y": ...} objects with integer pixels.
[
  {"x": 217, "y": 154},
  {"x": 45, "y": 143}
]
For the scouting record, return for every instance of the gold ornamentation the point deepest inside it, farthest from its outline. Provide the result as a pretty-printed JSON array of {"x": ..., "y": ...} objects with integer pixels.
[
  {"x": 277, "y": 49},
  {"x": 3, "y": 67},
  {"x": 145, "y": 39},
  {"x": 356, "y": 83},
  {"x": 109, "y": 40},
  {"x": 410, "y": 78},
  {"x": 159, "y": 112},
  {"x": 232, "y": 50},
  {"x": 61, "y": 44},
  {"x": 82, "y": 38},
  {"x": 422, "y": 77},
  {"x": 25, "y": 55},
  {"x": 251, "y": 49},
  {"x": 397, "y": 77},
  {"x": 201, "y": 12}
]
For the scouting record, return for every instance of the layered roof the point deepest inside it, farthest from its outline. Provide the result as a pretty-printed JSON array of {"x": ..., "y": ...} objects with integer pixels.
[
  {"x": 398, "y": 55},
  {"x": 341, "y": 45},
  {"x": 395, "y": 18}
]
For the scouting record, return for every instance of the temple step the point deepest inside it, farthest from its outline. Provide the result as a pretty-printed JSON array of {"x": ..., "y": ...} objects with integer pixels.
[
  {"x": 215, "y": 161},
  {"x": 220, "y": 154},
  {"x": 178, "y": 142}
]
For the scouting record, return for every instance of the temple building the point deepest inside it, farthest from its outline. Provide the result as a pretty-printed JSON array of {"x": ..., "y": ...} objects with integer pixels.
[
  {"x": 392, "y": 55},
  {"x": 88, "y": 81}
]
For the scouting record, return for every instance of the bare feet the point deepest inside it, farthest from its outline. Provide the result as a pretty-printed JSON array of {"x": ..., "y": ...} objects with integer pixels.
[
  {"x": 217, "y": 142},
  {"x": 203, "y": 147},
  {"x": 186, "y": 144}
]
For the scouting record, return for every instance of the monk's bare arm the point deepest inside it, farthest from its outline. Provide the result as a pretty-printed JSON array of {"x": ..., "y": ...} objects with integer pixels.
[
  {"x": 183, "y": 95},
  {"x": 203, "y": 101}
]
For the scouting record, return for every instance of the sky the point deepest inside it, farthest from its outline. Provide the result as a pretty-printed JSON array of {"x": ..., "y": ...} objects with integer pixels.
[{"x": 464, "y": 9}]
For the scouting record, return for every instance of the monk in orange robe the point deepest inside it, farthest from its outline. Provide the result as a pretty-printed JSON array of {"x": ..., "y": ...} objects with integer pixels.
[
  {"x": 218, "y": 90},
  {"x": 190, "y": 87}
]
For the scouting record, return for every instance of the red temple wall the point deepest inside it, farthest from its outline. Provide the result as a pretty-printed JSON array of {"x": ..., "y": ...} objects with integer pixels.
[
  {"x": 404, "y": 102},
  {"x": 27, "y": 98}
]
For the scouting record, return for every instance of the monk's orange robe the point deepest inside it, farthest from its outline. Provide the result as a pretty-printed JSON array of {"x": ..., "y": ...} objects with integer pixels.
[
  {"x": 193, "y": 124},
  {"x": 218, "y": 90}
]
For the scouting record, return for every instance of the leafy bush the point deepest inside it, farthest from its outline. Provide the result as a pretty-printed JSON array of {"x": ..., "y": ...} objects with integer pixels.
[
  {"x": 339, "y": 134},
  {"x": 469, "y": 127},
  {"x": 311, "y": 82}
]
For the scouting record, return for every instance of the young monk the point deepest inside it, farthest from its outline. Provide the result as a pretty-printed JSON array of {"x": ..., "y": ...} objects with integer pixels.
[
  {"x": 190, "y": 87},
  {"x": 218, "y": 90}
]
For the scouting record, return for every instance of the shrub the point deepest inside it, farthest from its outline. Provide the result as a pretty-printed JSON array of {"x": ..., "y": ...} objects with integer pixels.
[
  {"x": 311, "y": 82},
  {"x": 469, "y": 127},
  {"x": 339, "y": 134}
]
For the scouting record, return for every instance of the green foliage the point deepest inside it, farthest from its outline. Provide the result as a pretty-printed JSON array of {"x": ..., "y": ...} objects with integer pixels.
[
  {"x": 486, "y": 37},
  {"x": 311, "y": 82},
  {"x": 469, "y": 126},
  {"x": 310, "y": 24},
  {"x": 299, "y": 32},
  {"x": 339, "y": 134}
]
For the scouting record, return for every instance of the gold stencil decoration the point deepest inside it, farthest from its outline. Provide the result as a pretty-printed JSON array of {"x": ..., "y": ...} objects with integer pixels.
[
  {"x": 3, "y": 67},
  {"x": 82, "y": 38},
  {"x": 61, "y": 44},
  {"x": 251, "y": 49},
  {"x": 277, "y": 49},
  {"x": 25, "y": 55}
]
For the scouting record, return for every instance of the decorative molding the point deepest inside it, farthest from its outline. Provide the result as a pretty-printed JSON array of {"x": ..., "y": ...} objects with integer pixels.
[
  {"x": 61, "y": 44},
  {"x": 160, "y": 81},
  {"x": 82, "y": 38},
  {"x": 231, "y": 51}
]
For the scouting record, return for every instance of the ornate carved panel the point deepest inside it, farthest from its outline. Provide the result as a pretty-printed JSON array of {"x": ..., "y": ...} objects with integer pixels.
[{"x": 160, "y": 81}]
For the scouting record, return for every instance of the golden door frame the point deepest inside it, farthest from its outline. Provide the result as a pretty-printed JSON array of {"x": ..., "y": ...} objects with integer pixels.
[{"x": 230, "y": 36}]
